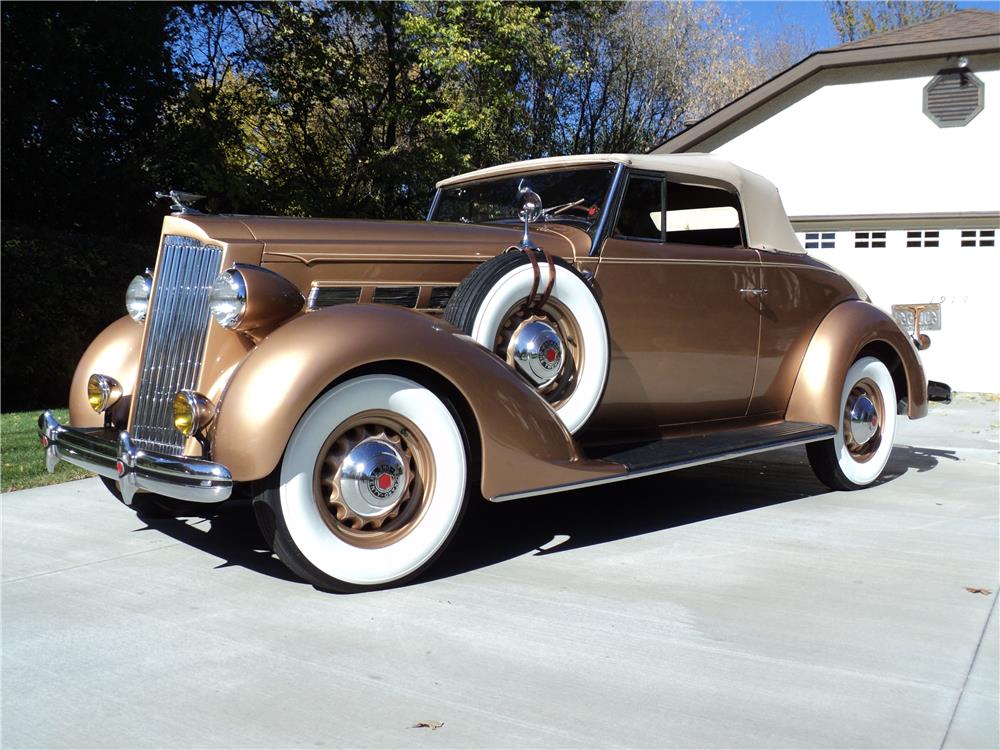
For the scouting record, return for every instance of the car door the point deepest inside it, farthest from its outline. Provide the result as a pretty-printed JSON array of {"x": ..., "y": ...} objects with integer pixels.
[{"x": 678, "y": 293}]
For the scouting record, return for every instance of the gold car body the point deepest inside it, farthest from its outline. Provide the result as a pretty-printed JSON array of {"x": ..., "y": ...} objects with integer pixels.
[{"x": 690, "y": 353}]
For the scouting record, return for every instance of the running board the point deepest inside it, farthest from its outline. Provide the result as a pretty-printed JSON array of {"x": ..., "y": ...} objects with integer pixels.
[{"x": 671, "y": 454}]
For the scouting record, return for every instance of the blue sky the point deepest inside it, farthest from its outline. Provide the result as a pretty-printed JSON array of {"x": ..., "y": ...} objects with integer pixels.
[{"x": 764, "y": 15}]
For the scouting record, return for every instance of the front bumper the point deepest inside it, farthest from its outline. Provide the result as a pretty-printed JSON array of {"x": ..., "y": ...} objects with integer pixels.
[{"x": 115, "y": 457}]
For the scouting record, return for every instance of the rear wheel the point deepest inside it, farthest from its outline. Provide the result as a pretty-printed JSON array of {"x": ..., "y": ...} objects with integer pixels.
[
  {"x": 856, "y": 456},
  {"x": 371, "y": 488}
]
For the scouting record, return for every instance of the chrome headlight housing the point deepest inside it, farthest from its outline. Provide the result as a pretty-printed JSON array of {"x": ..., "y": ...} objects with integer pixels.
[
  {"x": 228, "y": 299},
  {"x": 103, "y": 392},
  {"x": 137, "y": 296},
  {"x": 192, "y": 412}
]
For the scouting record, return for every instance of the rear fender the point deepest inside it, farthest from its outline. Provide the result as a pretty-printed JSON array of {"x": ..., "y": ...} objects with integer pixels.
[
  {"x": 849, "y": 330},
  {"x": 524, "y": 445}
]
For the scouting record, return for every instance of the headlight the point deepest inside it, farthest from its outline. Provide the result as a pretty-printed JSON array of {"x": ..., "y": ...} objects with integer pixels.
[
  {"x": 228, "y": 300},
  {"x": 192, "y": 412},
  {"x": 137, "y": 296},
  {"x": 102, "y": 392}
]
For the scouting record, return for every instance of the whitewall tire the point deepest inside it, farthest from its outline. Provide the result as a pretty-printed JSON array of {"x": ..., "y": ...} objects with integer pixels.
[
  {"x": 488, "y": 306},
  {"x": 347, "y": 525},
  {"x": 856, "y": 456}
]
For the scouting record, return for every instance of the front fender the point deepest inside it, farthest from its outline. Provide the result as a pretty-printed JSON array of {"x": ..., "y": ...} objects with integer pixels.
[
  {"x": 115, "y": 352},
  {"x": 524, "y": 445},
  {"x": 845, "y": 332}
]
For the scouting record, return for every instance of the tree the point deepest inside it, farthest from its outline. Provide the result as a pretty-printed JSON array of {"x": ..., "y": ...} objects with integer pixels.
[
  {"x": 638, "y": 71},
  {"x": 854, "y": 19},
  {"x": 84, "y": 86}
]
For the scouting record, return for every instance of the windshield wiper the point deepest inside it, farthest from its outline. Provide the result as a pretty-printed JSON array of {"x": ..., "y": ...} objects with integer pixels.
[{"x": 555, "y": 210}]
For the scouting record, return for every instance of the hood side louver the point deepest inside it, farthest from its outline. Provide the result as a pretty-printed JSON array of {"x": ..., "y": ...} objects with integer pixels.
[
  {"x": 440, "y": 296},
  {"x": 328, "y": 296},
  {"x": 403, "y": 296}
]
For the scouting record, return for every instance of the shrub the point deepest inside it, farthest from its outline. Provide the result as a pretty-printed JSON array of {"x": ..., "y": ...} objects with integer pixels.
[{"x": 60, "y": 289}]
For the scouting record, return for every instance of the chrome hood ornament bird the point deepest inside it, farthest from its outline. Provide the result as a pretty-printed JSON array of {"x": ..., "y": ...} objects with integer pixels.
[{"x": 180, "y": 199}]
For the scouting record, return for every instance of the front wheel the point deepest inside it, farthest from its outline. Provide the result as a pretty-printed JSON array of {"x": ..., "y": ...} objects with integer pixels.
[
  {"x": 857, "y": 454},
  {"x": 371, "y": 488}
]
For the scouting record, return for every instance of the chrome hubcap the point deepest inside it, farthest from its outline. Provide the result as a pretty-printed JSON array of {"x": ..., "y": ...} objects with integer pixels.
[
  {"x": 372, "y": 479},
  {"x": 537, "y": 351},
  {"x": 863, "y": 420}
]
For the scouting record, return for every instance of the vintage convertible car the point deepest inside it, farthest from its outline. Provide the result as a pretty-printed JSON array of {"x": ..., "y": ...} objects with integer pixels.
[{"x": 364, "y": 381}]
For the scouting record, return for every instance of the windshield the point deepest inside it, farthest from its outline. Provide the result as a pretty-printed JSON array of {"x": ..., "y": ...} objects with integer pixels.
[{"x": 574, "y": 196}]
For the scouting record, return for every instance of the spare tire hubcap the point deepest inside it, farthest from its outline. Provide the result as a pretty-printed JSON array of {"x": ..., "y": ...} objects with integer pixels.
[{"x": 537, "y": 352}]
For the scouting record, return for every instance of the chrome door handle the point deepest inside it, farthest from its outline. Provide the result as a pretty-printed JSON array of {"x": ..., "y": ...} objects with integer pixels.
[{"x": 753, "y": 291}]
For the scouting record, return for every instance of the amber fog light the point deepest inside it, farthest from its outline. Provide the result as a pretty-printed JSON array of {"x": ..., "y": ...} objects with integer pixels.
[
  {"x": 103, "y": 392},
  {"x": 192, "y": 412}
]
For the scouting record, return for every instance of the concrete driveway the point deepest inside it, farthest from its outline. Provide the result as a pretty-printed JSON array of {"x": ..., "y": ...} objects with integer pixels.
[{"x": 736, "y": 605}]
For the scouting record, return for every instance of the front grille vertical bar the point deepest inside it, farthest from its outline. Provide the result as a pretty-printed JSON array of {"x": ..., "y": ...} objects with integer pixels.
[
  {"x": 171, "y": 340},
  {"x": 158, "y": 319},
  {"x": 175, "y": 339},
  {"x": 165, "y": 312},
  {"x": 191, "y": 353}
]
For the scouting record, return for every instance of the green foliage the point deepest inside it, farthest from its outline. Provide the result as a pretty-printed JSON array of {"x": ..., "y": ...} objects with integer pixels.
[
  {"x": 482, "y": 59},
  {"x": 344, "y": 109},
  {"x": 22, "y": 459},
  {"x": 857, "y": 19},
  {"x": 60, "y": 289},
  {"x": 83, "y": 89}
]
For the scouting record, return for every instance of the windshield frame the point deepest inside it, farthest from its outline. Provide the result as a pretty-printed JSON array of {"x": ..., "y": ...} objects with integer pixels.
[{"x": 597, "y": 231}]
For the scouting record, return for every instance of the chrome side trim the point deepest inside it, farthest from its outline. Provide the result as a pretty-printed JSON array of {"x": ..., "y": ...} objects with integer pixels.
[
  {"x": 700, "y": 461},
  {"x": 116, "y": 457},
  {"x": 607, "y": 209}
]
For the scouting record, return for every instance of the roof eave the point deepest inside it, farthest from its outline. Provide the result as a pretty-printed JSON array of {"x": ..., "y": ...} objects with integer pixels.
[{"x": 816, "y": 62}]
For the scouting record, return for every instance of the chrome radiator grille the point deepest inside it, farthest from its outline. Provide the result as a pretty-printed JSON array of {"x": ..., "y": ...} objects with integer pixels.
[{"x": 176, "y": 327}]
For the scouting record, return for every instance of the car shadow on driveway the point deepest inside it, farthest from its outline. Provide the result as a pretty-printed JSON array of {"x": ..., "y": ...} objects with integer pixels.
[
  {"x": 232, "y": 535},
  {"x": 556, "y": 523},
  {"x": 493, "y": 533}
]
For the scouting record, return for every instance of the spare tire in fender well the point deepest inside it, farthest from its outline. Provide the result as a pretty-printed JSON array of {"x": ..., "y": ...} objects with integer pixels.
[
  {"x": 492, "y": 305},
  {"x": 524, "y": 446}
]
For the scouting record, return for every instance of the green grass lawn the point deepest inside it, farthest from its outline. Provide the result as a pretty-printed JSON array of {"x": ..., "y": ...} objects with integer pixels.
[{"x": 22, "y": 458}]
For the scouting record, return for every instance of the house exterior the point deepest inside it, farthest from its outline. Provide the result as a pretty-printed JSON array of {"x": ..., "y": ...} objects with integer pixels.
[{"x": 886, "y": 152}]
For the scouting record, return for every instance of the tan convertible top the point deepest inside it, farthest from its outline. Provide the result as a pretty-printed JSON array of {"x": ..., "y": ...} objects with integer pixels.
[{"x": 767, "y": 225}]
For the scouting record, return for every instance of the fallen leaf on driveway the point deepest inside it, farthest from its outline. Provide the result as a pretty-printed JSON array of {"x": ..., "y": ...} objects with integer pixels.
[
  {"x": 432, "y": 725},
  {"x": 973, "y": 590}
]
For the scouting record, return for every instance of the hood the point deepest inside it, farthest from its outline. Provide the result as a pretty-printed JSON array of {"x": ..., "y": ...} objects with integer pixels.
[{"x": 312, "y": 240}]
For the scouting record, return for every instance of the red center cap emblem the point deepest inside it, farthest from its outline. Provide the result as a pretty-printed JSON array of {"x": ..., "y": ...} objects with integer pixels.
[
  {"x": 384, "y": 482},
  {"x": 550, "y": 354}
]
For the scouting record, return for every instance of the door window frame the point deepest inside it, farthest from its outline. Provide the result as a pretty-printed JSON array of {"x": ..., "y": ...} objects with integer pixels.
[
  {"x": 616, "y": 205},
  {"x": 643, "y": 175}
]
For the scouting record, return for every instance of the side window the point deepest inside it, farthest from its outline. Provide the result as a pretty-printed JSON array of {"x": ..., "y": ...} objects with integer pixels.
[
  {"x": 641, "y": 213},
  {"x": 702, "y": 215}
]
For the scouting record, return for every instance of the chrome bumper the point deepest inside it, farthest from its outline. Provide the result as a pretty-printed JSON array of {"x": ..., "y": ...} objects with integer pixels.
[{"x": 102, "y": 452}]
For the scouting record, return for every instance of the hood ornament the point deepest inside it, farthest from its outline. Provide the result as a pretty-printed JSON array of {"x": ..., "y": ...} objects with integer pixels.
[{"x": 180, "y": 200}]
